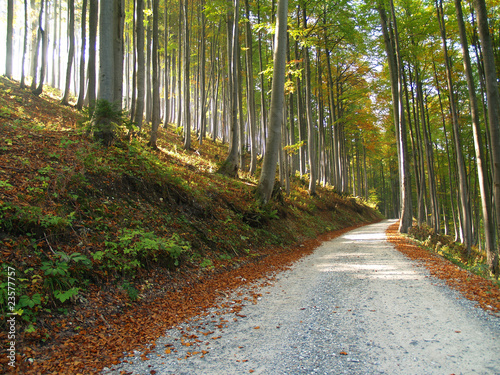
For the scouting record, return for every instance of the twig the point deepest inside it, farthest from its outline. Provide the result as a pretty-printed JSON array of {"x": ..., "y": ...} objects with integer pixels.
[
  {"x": 47, "y": 240},
  {"x": 105, "y": 321}
]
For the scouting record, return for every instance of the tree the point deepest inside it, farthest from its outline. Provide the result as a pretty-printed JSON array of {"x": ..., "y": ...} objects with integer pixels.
[
  {"x": 81, "y": 94},
  {"x": 230, "y": 166},
  {"x": 493, "y": 97},
  {"x": 10, "y": 30},
  {"x": 155, "y": 117},
  {"x": 462, "y": 174},
  {"x": 37, "y": 90},
  {"x": 25, "y": 43},
  {"x": 268, "y": 174},
  {"x": 71, "y": 53},
  {"x": 91, "y": 71},
  {"x": 394, "y": 60},
  {"x": 187, "y": 93},
  {"x": 139, "y": 37}
]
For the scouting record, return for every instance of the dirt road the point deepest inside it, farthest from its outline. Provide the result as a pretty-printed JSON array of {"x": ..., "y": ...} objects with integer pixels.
[{"x": 355, "y": 306}]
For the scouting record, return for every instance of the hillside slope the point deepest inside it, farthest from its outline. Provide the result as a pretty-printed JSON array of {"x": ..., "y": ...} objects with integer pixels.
[{"x": 101, "y": 238}]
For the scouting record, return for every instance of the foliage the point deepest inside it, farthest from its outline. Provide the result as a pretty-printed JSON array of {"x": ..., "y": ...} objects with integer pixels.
[
  {"x": 135, "y": 249},
  {"x": 106, "y": 122},
  {"x": 451, "y": 250}
]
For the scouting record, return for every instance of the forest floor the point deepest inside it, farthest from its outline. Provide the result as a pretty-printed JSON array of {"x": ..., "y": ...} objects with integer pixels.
[{"x": 111, "y": 246}]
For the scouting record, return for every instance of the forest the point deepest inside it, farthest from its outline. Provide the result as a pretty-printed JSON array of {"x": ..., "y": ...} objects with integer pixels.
[
  {"x": 362, "y": 92},
  {"x": 396, "y": 102},
  {"x": 227, "y": 127}
]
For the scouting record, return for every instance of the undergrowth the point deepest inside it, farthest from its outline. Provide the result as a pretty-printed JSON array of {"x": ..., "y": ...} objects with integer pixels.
[{"x": 455, "y": 252}]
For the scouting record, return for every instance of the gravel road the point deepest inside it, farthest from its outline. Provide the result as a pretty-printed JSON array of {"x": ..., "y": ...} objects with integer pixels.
[{"x": 355, "y": 306}]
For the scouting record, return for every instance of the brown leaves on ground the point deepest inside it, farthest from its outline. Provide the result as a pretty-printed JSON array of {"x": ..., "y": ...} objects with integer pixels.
[{"x": 473, "y": 287}]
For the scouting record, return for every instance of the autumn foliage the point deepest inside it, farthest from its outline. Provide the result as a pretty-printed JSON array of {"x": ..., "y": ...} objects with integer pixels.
[{"x": 471, "y": 286}]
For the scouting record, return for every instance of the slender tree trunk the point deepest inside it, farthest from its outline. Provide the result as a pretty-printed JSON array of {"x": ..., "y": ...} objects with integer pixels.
[
  {"x": 55, "y": 55},
  {"x": 10, "y": 30},
  {"x": 179, "y": 65},
  {"x": 187, "y": 91},
  {"x": 230, "y": 166},
  {"x": 106, "y": 54},
  {"x": 81, "y": 95},
  {"x": 311, "y": 144},
  {"x": 268, "y": 175},
  {"x": 155, "y": 117},
  {"x": 43, "y": 34},
  {"x": 118, "y": 51},
  {"x": 71, "y": 53},
  {"x": 263, "y": 110},
  {"x": 393, "y": 54},
  {"x": 25, "y": 43},
  {"x": 91, "y": 74},
  {"x": 203, "y": 113},
  {"x": 35, "y": 47},
  {"x": 462, "y": 175},
  {"x": 148, "y": 105},
  {"x": 166, "y": 91},
  {"x": 250, "y": 91},
  {"x": 139, "y": 37},
  {"x": 493, "y": 96}
]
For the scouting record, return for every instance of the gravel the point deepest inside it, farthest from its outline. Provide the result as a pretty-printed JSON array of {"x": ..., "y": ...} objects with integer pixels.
[{"x": 355, "y": 306}]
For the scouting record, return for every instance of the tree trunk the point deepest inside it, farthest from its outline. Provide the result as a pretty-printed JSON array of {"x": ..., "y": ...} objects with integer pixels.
[
  {"x": 25, "y": 43},
  {"x": 203, "y": 113},
  {"x": 139, "y": 37},
  {"x": 155, "y": 116},
  {"x": 166, "y": 91},
  {"x": 71, "y": 52},
  {"x": 148, "y": 105},
  {"x": 81, "y": 95},
  {"x": 250, "y": 91},
  {"x": 268, "y": 175},
  {"x": 55, "y": 55},
  {"x": 10, "y": 30},
  {"x": 393, "y": 55},
  {"x": 263, "y": 110},
  {"x": 106, "y": 55},
  {"x": 462, "y": 175},
  {"x": 230, "y": 166},
  {"x": 118, "y": 25},
  {"x": 493, "y": 96},
  {"x": 187, "y": 91},
  {"x": 43, "y": 34},
  {"x": 91, "y": 74}
]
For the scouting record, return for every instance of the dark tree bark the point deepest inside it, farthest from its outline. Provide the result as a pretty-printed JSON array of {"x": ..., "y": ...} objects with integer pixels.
[
  {"x": 91, "y": 70},
  {"x": 71, "y": 52},
  {"x": 42, "y": 32},
  {"x": 155, "y": 116},
  {"x": 81, "y": 94},
  {"x": 139, "y": 37},
  {"x": 493, "y": 96}
]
